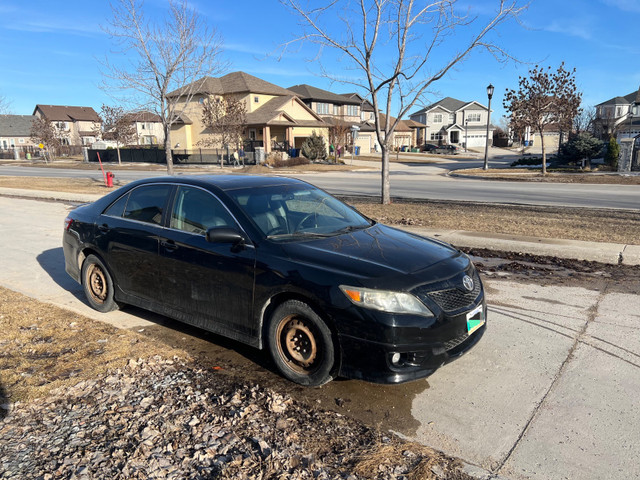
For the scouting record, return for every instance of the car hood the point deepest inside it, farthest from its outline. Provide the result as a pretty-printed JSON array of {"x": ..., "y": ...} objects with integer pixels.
[{"x": 374, "y": 252}]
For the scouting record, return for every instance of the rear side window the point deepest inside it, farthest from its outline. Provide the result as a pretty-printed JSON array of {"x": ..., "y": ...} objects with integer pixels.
[
  {"x": 147, "y": 203},
  {"x": 117, "y": 208}
]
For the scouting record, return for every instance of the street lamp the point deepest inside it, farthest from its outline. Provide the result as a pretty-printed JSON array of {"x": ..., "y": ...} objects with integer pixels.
[{"x": 490, "y": 89}]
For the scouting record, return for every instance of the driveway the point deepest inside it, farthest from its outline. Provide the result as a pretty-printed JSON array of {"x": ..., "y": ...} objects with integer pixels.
[{"x": 551, "y": 392}]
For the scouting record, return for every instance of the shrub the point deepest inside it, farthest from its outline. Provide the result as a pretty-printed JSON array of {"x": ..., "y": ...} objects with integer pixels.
[
  {"x": 314, "y": 147},
  {"x": 613, "y": 154}
]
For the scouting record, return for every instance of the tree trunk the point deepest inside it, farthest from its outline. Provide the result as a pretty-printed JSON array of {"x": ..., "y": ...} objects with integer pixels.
[
  {"x": 386, "y": 194},
  {"x": 167, "y": 149},
  {"x": 544, "y": 154},
  {"x": 118, "y": 150}
]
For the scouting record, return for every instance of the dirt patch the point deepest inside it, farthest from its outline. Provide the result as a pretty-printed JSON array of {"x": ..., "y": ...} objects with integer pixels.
[
  {"x": 533, "y": 175},
  {"x": 45, "y": 347},
  {"x": 588, "y": 224}
]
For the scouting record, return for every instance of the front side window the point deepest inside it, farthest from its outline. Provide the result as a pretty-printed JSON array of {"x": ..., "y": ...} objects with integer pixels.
[
  {"x": 437, "y": 118},
  {"x": 196, "y": 211},
  {"x": 147, "y": 203},
  {"x": 473, "y": 117}
]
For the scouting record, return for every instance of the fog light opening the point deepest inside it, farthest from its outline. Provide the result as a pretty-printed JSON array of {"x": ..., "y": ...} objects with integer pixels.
[{"x": 395, "y": 358}]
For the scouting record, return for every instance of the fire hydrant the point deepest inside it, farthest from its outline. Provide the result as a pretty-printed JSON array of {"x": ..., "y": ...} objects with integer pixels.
[{"x": 110, "y": 179}]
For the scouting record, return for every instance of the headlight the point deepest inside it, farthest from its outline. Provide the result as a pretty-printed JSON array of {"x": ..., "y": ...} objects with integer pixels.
[{"x": 385, "y": 301}]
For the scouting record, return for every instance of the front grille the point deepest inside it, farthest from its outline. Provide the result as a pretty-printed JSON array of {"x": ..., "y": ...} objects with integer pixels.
[{"x": 454, "y": 299}]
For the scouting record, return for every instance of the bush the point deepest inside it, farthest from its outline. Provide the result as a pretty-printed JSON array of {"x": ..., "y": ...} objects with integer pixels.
[
  {"x": 277, "y": 160},
  {"x": 528, "y": 162},
  {"x": 613, "y": 154},
  {"x": 314, "y": 147}
]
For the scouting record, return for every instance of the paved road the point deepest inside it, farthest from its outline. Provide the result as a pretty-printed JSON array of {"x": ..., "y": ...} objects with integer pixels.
[
  {"x": 551, "y": 392},
  {"x": 419, "y": 181}
]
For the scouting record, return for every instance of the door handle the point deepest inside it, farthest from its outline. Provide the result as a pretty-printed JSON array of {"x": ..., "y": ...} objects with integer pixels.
[{"x": 169, "y": 245}]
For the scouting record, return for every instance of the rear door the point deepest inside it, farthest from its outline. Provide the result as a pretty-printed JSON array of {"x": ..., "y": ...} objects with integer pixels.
[
  {"x": 206, "y": 284},
  {"x": 129, "y": 233}
]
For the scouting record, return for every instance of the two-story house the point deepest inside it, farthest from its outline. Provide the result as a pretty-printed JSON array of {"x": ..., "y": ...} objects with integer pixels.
[
  {"x": 619, "y": 116},
  {"x": 148, "y": 127},
  {"x": 452, "y": 121},
  {"x": 15, "y": 132},
  {"x": 275, "y": 117},
  {"x": 76, "y": 125}
]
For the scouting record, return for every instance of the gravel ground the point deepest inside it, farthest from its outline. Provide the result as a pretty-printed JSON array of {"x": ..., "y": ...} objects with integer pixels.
[{"x": 164, "y": 419}]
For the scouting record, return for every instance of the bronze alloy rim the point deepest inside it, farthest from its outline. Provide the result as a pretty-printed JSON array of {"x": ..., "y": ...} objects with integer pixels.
[
  {"x": 297, "y": 344},
  {"x": 97, "y": 283}
]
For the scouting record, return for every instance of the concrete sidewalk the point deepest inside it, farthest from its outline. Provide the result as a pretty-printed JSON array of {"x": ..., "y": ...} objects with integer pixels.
[{"x": 610, "y": 253}]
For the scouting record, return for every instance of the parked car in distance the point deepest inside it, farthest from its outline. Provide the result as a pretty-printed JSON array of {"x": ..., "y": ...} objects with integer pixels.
[
  {"x": 447, "y": 149},
  {"x": 280, "y": 265},
  {"x": 428, "y": 147}
]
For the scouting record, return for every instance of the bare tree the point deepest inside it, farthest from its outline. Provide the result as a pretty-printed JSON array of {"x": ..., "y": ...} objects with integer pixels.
[
  {"x": 118, "y": 127},
  {"x": 584, "y": 121},
  {"x": 48, "y": 134},
  {"x": 389, "y": 44},
  {"x": 339, "y": 136},
  {"x": 226, "y": 119},
  {"x": 5, "y": 105},
  {"x": 161, "y": 58},
  {"x": 544, "y": 98}
]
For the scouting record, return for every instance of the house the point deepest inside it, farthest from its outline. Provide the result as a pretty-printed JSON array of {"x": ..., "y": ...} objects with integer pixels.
[
  {"x": 148, "y": 127},
  {"x": 452, "y": 121},
  {"x": 76, "y": 125},
  {"x": 276, "y": 118},
  {"x": 15, "y": 131},
  {"x": 619, "y": 116}
]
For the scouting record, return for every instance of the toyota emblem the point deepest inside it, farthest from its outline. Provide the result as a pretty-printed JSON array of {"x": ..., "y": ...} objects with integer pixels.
[{"x": 467, "y": 282}]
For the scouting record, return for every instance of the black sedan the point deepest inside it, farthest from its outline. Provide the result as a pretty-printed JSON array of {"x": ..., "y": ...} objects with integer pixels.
[{"x": 279, "y": 264}]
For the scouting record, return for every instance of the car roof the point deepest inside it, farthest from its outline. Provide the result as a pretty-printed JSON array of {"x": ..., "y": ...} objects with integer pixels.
[{"x": 227, "y": 182}]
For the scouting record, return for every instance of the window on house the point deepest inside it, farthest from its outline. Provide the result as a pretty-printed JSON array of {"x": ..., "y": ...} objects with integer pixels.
[
  {"x": 473, "y": 117},
  {"x": 352, "y": 110},
  {"x": 437, "y": 118},
  {"x": 436, "y": 136},
  {"x": 336, "y": 110},
  {"x": 323, "y": 108},
  {"x": 21, "y": 140},
  {"x": 201, "y": 100},
  {"x": 452, "y": 118},
  {"x": 619, "y": 112},
  {"x": 256, "y": 99}
]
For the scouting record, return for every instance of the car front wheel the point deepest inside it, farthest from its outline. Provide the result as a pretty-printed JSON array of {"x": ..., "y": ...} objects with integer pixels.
[
  {"x": 98, "y": 285},
  {"x": 301, "y": 344}
]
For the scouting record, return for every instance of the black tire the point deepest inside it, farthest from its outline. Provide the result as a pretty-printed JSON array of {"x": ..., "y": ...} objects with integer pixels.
[
  {"x": 98, "y": 285},
  {"x": 301, "y": 344}
]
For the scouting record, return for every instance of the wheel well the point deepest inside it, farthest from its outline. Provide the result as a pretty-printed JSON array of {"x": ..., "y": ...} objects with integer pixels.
[
  {"x": 82, "y": 257},
  {"x": 278, "y": 299}
]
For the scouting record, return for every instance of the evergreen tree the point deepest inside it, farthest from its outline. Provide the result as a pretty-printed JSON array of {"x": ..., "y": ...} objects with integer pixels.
[
  {"x": 613, "y": 154},
  {"x": 314, "y": 147}
]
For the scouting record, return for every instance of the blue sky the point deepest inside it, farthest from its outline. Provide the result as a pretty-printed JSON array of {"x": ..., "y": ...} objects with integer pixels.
[{"x": 51, "y": 49}]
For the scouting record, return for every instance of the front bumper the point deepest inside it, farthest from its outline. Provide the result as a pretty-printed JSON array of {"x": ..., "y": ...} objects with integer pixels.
[{"x": 420, "y": 355}]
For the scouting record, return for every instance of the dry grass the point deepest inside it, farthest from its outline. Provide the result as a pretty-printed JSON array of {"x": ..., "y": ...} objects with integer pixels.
[
  {"x": 594, "y": 225},
  {"x": 532, "y": 175},
  {"x": 44, "y": 347}
]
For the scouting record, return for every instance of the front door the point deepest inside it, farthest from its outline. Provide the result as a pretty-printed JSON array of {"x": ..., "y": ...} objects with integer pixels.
[
  {"x": 454, "y": 136},
  {"x": 206, "y": 284}
]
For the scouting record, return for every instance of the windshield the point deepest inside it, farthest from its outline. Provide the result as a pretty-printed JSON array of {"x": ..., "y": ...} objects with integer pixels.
[{"x": 287, "y": 211}]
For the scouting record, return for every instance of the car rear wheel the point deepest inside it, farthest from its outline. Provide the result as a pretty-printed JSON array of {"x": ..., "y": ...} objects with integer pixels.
[
  {"x": 301, "y": 344},
  {"x": 98, "y": 285}
]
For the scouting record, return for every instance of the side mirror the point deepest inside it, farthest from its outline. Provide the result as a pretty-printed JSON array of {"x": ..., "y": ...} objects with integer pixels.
[{"x": 225, "y": 235}]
